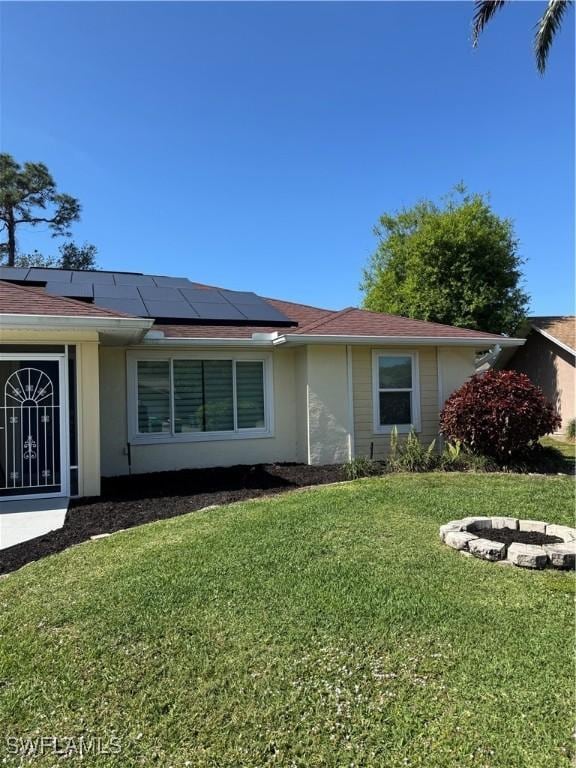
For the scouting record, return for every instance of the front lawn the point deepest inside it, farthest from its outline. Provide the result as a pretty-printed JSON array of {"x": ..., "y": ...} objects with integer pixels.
[{"x": 327, "y": 627}]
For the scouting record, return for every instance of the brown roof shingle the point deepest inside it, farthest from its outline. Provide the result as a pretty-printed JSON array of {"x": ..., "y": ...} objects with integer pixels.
[
  {"x": 560, "y": 327},
  {"x": 362, "y": 322}
]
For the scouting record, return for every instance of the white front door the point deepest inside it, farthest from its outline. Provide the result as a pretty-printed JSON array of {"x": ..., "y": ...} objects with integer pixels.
[{"x": 33, "y": 427}]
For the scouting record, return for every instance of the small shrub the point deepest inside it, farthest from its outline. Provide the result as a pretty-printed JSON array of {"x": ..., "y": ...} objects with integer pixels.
[
  {"x": 571, "y": 430},
  {"x": 411, "y": 456},
  {"x": 360, "y": 467},
  {"x": 499, "y": 414},
  {"x": 455, "y": 459}
]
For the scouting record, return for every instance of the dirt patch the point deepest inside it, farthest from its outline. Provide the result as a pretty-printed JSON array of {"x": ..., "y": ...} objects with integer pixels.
[
  {"x": 510, "y": 536},
  {"x": 133, "y": 500}
]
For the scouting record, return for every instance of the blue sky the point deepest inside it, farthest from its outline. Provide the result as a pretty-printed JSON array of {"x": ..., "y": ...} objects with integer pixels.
[{"x": 254, "y": 145}]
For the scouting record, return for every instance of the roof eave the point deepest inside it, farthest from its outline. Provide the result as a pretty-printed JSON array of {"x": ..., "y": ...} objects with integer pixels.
[
  {"x": 553, "y": 339},
  {"x": 119, "y": 329},
  {"x": 480, "y": 342}
]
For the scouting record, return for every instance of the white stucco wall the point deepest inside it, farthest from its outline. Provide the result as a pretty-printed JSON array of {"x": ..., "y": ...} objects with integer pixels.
[
  {"x": 456, "y": 365},
  {"x": 328, "y": 420},
  {"x": 281, "y": 446},
  {"x": 311, "y": 411}
]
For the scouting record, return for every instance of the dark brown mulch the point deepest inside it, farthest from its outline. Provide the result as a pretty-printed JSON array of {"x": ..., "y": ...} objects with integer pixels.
[
  {"x": 132, "y": 500},
  {"x": 510, "y": 536}
]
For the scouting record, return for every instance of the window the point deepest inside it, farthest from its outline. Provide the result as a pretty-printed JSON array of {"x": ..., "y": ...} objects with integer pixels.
[
  {"x": 396, "y": 393},
  {"x": 189, "y": 398}
]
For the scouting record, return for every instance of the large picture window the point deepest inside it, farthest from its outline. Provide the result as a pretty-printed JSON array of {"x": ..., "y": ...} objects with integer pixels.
[
  {"x": 181, "y": 397},
  {"x": 395, "y": 391}
]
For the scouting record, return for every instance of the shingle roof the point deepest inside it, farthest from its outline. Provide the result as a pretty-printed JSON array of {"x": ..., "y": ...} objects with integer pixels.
[
  {"x": 21, "y": 300},
  {"x": 315, "y": 321},
  {"x": 361, "y": 322},
  {"x": 303, "y": 314},
  {"x": 560, "y": 327}
]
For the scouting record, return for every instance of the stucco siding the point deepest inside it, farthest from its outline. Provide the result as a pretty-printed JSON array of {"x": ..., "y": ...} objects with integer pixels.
[
  {"x": 281, "y": 446},
  {"x": 327, "y": 405},
  {"x": 456, "y": 365},
  {"x": 552, "y": 369}
]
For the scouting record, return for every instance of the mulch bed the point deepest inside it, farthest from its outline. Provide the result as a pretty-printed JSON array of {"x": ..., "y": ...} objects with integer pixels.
[
  {"x": 133, "y": 500},
  {"x": 510, "y": 536}
]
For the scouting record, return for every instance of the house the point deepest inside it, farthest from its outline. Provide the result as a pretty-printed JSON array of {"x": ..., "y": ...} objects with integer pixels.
[
  {"x": 548, "y": 359},
  {"x": 109, "y": 373}
]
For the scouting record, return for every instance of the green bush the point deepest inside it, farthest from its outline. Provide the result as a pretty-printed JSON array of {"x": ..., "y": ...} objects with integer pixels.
[
  {"x": 456, "y": 459},
  {"x": 361, "y": 467},
  {"x": 411, "y": 455},
  {"x": 571, "y": 430}
]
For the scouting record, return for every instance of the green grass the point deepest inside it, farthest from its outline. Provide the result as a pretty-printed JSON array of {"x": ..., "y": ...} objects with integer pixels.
[
  {"x": 321, "y": 628},
  {"x": 566, "y": 447}
]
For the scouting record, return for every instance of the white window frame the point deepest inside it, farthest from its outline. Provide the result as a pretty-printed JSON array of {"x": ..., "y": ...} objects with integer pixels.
[
  {"x": 386, "y": 429},
  {"x": 152, "y": 438}
]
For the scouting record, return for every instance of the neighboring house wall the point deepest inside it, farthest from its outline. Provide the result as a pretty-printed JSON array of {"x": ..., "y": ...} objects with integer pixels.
[
  {"x": 552, "y": 369},
  {"x": 441, "y": 371},
  {"x": 282, "y": 446}
]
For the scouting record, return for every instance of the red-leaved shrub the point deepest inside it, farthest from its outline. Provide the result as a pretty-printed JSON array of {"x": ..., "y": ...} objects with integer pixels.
[{"x": 499, "y": 414}]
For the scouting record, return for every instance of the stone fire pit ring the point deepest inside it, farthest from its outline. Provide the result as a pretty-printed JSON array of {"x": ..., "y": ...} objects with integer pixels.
[{"x": 524, "y": 543}]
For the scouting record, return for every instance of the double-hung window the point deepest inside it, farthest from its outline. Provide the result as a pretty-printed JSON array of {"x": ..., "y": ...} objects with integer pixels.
[
  {"x": 396, "y": 394},
  {"x": 199, "y": 398}
]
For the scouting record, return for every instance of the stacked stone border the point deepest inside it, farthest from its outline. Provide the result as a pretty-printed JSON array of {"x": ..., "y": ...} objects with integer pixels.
[{"x": 471, "y": 535}]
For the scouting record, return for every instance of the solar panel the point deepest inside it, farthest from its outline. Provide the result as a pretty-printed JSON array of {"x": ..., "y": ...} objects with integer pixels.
[
  {"x": 242, "y": 297},
  {"x": 171, "y": 309},
  {"x": 200, "y": 295},
  {"x": 176, "y": 282},
  {"x": 218, "y": 311},
  {"x": 160, "y": 294},
  {"x": 128, "y": 306},
  {"x": 263, "y": 312},
  {"x": 13, "y": 273},
  {"x": 71, "y": 291},
  {"x": 37, "y": 274},
  {"x": 85, "y": 276},
  {"x": 156, "y": 296},
  {"x": 129, "y": 278},
  {"x": 116, "y": 291}
]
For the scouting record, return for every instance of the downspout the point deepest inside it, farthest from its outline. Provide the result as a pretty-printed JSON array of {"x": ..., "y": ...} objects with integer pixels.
[{"x": 350, "y": 382}]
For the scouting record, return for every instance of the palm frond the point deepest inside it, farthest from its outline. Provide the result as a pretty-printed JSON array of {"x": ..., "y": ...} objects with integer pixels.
[
  {"x": 547, "y": 28},
  {"x": 483, "y": 12}
]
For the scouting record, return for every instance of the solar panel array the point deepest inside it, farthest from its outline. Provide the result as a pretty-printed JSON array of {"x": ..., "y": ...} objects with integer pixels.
[{"x": 163, "y": 298}]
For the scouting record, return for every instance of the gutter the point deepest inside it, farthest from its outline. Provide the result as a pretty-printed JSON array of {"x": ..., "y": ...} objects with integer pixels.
[
  {"x": 157, "y": 338},
  {"x": 77, "y": 321},
  {"x": 434, "y": 341},
  {"x": 205, "y": 342}
]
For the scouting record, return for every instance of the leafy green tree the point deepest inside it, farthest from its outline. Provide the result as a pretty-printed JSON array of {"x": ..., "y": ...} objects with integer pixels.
[
  {"x": 28, "y": 196},
  {"x": 456, "y": 264},
  {"x": 546, "y": 29},
  {"x": 74, "y": 256}
]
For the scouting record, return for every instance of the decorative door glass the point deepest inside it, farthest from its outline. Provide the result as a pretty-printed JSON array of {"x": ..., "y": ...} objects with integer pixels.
[{"x": 30, "y": 461}]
